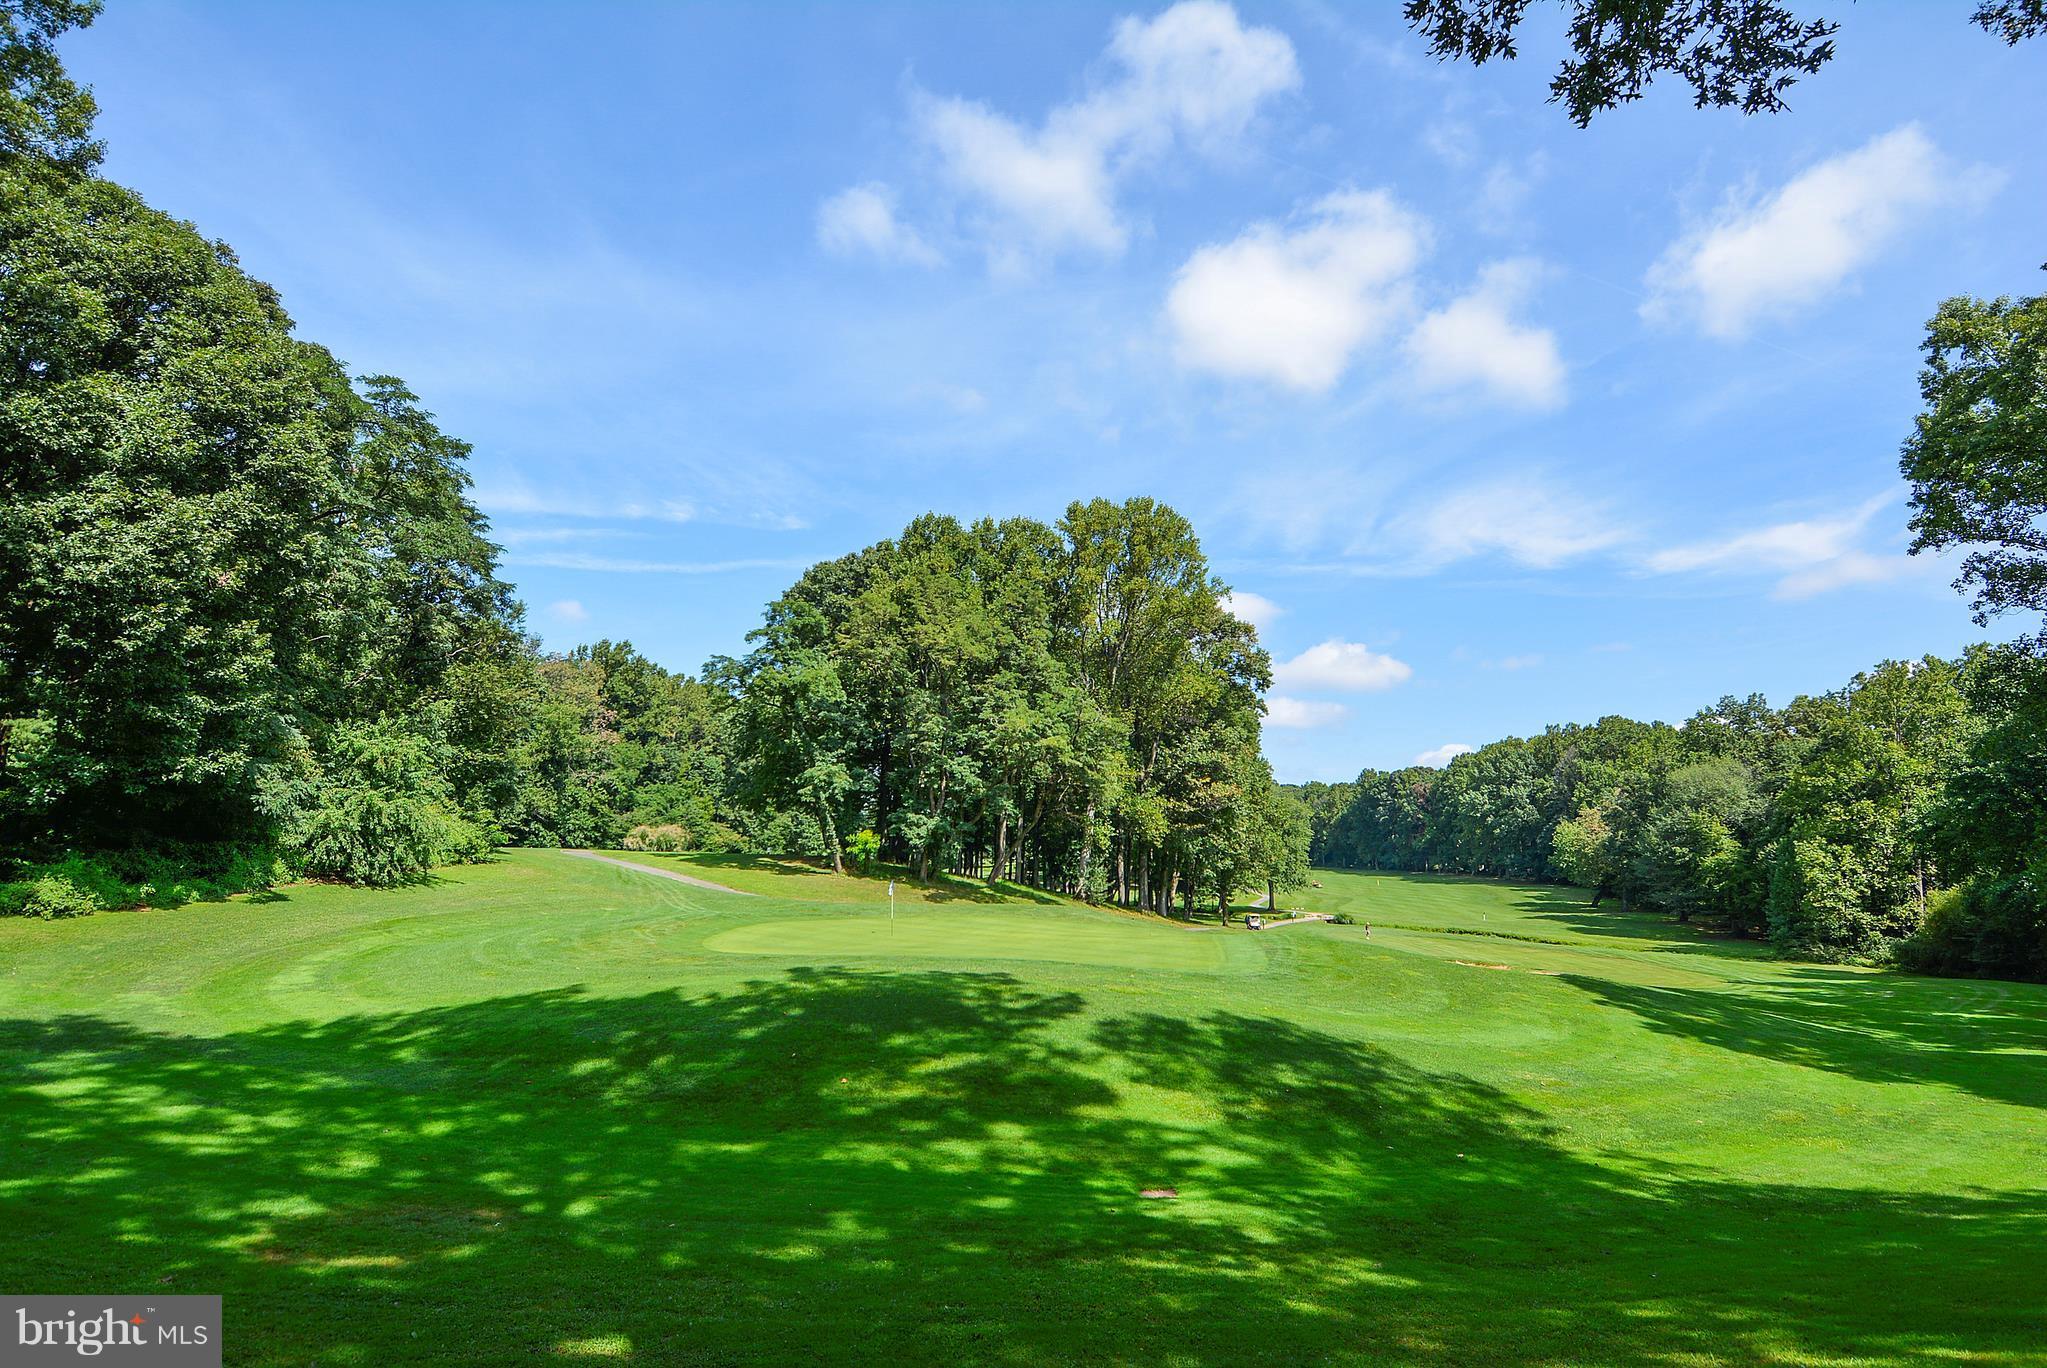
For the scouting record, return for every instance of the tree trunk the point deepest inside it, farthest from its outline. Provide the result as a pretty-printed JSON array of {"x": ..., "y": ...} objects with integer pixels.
[
  {"x": 1087, "y": 845},
  {"x": 1001, "y": 847},
  {"x": 1271, "y": 898},
  {"x": 831, "y": 837},
  {"x": 1222, "y": 900}
]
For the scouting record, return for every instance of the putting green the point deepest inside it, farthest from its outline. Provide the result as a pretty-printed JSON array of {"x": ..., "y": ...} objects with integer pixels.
[{"x": 989, "y": 934}]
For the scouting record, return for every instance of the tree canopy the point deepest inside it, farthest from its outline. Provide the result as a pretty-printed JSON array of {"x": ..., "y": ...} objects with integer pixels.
[{"x": 1745, "y": 55}]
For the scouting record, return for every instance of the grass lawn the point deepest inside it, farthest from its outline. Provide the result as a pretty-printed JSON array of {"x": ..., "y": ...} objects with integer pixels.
[{"x": 552, "y": 1110}]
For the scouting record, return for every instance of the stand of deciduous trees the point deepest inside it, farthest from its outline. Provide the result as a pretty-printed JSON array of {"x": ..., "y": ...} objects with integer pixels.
[
  {"x": 1901, "y": 815},
  {"x": 1067, "y": 706}
]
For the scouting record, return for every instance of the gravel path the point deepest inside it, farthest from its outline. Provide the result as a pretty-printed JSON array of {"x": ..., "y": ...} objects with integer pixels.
[{"x": 660, "y": 873}]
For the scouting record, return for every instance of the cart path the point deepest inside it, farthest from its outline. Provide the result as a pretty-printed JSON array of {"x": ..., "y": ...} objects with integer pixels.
[{"x": 660, "y": 873}]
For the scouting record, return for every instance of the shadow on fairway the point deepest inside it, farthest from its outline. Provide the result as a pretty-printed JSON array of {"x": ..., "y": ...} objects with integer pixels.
[
  {"x": 902, "y": 1167},
  {"x": 1987, "y": 1038},
  {"x": 952, "y": 888}
]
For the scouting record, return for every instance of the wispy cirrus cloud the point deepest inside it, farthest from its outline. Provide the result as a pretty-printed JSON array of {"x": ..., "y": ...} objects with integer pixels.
[
  {"x": 620, "y": 565},
  {"x": 1807, "y": 556}
]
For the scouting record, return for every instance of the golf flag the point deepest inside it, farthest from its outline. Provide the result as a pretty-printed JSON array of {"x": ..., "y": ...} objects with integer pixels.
[{"x": 892, "y": 904}]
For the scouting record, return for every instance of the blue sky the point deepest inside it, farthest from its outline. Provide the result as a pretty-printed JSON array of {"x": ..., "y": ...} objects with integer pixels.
[{"x": 1490, "y": 421}]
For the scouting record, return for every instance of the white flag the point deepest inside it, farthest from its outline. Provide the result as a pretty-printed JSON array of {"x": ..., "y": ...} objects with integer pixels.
[{"x": 891, "y": 888}]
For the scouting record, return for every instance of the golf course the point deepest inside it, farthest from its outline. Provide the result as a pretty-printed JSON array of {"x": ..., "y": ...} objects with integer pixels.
[{"x": 549, "y": 1108}]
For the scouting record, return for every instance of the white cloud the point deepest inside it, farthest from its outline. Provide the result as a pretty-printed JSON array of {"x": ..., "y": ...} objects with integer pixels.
[
  {"x": 513, "y": 494},
  {"x": 1811, "y": 555},
  {"x": 862, "y": 220},
  {"x": 1301, "y": 713},
  {"x": 1341, "y": 666},
  {"x": 1518, "y": 517},
  {"x": 1515, "y": 662},
  {"x": 1192, "y": 76},
  {"x": 1767, "y": 259},
  {"x": 1475, "y": 342},
  {"x": 568, "y": 610},
  {"x": 1292, "y": 304},
  {"x": 1255, "y": 609},
  {"x": 1443, "y": 754}
]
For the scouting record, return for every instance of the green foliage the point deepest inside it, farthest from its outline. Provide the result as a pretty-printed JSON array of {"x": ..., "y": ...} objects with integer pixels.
[
  {"x": 1977, "y": 458},
  {"x": 864, "y": 846},
  {"x": 1988, "y": 928},
  {"x": 54, "y": 897},
  {"x": 1746, "y": 55},
  {"x": 380, "y": 812},
  {"x": 45, "y": 118},
  {"x": 1817, "y": 825},
  {"x": 1069, "y": 706}
]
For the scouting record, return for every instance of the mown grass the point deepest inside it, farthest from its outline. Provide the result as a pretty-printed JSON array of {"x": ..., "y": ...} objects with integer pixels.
[
  {"x": 815, "y": 881},
  {"x": 550, "y": 1109}
]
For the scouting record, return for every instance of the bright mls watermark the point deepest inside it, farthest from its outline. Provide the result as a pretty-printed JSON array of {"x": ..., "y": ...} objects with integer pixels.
[{"x": 175, "y": 1332}]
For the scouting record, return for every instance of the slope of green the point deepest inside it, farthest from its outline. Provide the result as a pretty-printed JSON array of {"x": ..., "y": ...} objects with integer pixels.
[
  {"x": 805, "y": 881},
  {"x": 552, "y": 1109}
]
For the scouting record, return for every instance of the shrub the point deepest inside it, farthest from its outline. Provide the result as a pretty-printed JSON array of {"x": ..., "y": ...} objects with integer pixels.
[
  {"x": 667, "y": 838},
  {"x": 14, "y": 899},
  {"x": 381, "y": 815},
  {"x": 864, "y": 846},
  {"x": 1996, "y": 929},
  {"x": 723, "y": 840},
  {"x": 53, "y": 897}
]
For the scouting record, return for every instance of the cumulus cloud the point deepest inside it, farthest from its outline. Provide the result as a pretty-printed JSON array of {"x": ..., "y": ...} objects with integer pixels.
[
  {"x": 1810, "y": 555},
  {"x": 568, "y": 610},
  {"x": 1443, "y": 754},
  {"x": 1255, "y": 609},
  {"x": 1191, "y": 78},
  {"x": 1291, "y": 304},
  {"x": 861, "y": 221},
  {"x": 1341, "y": 667},
  {"x": 1765, "y": 258},
  {"x": 1475, "y": 343},
  {"x": 1301, "y": 713},
  {"x": 1519, "y": 517}
]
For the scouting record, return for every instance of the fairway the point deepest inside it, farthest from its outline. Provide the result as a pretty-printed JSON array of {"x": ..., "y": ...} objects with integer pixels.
[
  {"x": 1008, "y": 934},
  {"x": 548, "y": 1109}
]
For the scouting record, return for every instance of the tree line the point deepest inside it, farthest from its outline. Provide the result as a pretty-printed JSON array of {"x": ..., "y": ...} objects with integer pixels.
[{"x": 1849, "y": 825}]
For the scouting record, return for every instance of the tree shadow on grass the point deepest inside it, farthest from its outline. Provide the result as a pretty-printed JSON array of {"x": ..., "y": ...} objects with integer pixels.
[
  {"x": 911, "y": 1167},
  {"x": 947, "y": 888},
  {"x": 1988, "y": 1038}
]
